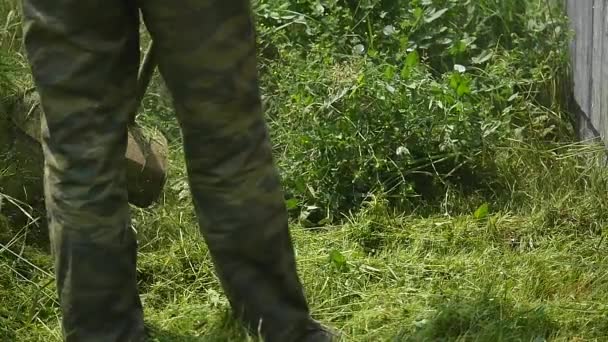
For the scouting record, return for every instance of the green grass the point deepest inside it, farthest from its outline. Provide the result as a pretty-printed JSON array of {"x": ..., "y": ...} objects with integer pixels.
[
  {"x": 508, "y": 276},
  {"x": 500, "y": 235}
]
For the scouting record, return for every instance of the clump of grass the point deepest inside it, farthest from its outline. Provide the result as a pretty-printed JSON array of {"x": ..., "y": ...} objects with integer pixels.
[{"x": 13, "y": 67}]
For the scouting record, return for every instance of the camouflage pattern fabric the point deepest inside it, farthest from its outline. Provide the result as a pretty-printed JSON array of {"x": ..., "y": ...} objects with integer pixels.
[{"x": 84, "y": 56}]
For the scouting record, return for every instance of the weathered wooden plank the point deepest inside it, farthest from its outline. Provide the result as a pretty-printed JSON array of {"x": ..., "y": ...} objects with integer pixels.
[
  {"x": 596, "y": 65},
  {"x": 603, "y": 81},
  {"x": 581, "y": 14}
]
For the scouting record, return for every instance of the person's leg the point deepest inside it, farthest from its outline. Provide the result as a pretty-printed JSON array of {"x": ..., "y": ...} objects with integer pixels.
[
  {"x": 207, "y": 56},
  {"x": 84, "y": 57}
]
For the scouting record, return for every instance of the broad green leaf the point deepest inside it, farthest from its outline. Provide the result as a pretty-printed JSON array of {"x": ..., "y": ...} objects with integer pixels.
[
  {"x": 463, "y": 89},
  {"x": 389, "y": 72},
  {"x": 389, "y": 30},
  {"x": 418, "y": 13},
  {"x": 482, "y": 211},
  {"x": 406, "y": 72},
  {"x": 483, "y": 57},
  {"x": 291, "y": 203},
  {"x": 460, "y": 68},
  {"x": 435, "y": 15},
  {"x": 455, "y": 81},
  {"x": 359, "y": 49},
  {"x": 337, "y": 259},
  {"x": 412, "y": 59}
]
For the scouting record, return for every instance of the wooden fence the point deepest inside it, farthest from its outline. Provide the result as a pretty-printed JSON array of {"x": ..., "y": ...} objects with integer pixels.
[{"x": 589, "y": 56}]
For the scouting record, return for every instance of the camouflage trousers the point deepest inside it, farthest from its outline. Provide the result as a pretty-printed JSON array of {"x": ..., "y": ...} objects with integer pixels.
[{"x": 84, "y": 56}]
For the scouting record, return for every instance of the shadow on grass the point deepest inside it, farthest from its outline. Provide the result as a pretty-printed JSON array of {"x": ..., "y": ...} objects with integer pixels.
[
  {"x": 225, "y": 329},
  {"x": 483, "y": 319},
  {"x": 169, "y": 336}
]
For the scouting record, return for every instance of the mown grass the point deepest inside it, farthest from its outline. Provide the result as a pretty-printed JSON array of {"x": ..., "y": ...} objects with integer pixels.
[
  {"x": 517, "y": 253},
  {"x": 380, "y": 277},
  {"x": 531, "y": 274}
]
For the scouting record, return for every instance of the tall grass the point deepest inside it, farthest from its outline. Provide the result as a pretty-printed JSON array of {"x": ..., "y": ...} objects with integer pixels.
[
  {"x": 409, "y": 99},
  {"x": 13, "y": 67}
]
